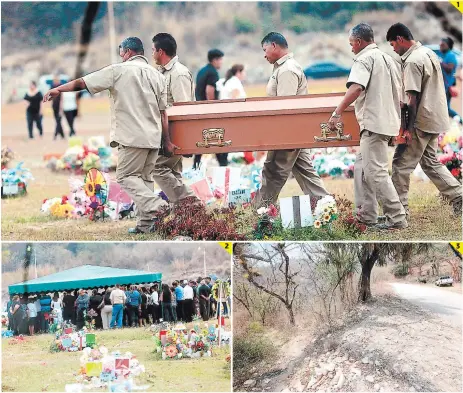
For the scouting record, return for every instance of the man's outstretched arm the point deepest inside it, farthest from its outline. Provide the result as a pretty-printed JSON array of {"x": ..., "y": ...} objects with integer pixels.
[{"x": 74, "y": 85}]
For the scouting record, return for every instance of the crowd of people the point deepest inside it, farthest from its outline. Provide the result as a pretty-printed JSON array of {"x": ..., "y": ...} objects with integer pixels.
[{"x": 117, "y": 307}]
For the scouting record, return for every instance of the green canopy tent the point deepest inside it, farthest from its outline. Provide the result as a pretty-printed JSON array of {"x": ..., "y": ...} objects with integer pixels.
[{"x": 84, "y": 277}]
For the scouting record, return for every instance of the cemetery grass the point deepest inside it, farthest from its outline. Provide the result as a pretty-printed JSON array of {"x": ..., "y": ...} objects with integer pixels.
[
  {"x": 30, "y": 366},
  {"x": 431, "y": 218}
]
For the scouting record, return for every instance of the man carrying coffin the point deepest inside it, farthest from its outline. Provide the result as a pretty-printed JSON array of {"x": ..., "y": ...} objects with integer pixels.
[
  {"x": 287, "y": 79},
  {"x": 375, "y": 86},
  {"x": 139, "y": 121},
  {"x": 427, "y": 118},
  {"x": 168, "y": 170}
]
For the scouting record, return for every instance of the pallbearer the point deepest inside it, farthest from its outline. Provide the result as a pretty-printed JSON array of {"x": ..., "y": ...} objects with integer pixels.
[
  {"x": 168, "y": 170},
  {"x": 428, "y": 117},
  {"x": 287, "y": 79},
  {"x": 138, "y": 123},
  {"x": 374, "y": 84}
]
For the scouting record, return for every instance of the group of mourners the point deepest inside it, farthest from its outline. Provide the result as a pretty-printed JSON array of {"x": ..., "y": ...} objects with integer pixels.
[{"x": 117, "y": 307}]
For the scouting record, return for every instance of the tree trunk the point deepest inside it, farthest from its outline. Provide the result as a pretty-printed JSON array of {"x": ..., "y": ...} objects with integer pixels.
[
  {"x": 364, "y": 283},
  {"x": 292, "y": 320}
]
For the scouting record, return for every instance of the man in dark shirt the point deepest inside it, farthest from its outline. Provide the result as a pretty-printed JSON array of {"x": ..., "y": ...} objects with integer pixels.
[
  {"x": 206, "y": 90},
  {"x": 204, "y": 293}
]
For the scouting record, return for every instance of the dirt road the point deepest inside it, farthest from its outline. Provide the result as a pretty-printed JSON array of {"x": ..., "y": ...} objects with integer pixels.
[{"x": 448, "y": 305}]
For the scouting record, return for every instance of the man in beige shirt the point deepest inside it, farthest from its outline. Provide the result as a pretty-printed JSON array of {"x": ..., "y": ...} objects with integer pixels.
[
  {"x": 423, "y": 84},
  {"x": 138, "y": 123},
  {"x": 374, "y": 85},
  {"x": 180, "y": 88},
  {"x": 118, "y": 299},
  {"x": 287, "y": 79}
]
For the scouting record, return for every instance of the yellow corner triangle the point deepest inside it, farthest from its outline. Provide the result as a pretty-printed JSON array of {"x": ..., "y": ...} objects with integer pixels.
[
  {"x": 458, "y": 5},
  {"x": 458, "y": 247},
  {"x": 227, "y": 246}
]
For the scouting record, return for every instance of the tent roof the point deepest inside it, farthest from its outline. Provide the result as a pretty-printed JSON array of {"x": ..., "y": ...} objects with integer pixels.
[{"x": 86, "y": 276}]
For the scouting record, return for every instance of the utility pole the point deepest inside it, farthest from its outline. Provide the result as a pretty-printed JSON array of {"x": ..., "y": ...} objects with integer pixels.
[
  {"x": 35, "y": 261},
  {"x": 112, "y": 32},
  {"x": 205, "y": 274}
]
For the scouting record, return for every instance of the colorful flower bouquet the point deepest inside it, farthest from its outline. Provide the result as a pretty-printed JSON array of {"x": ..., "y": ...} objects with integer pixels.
[
  {"x": 68, "y": 340},
  {"x": 7, "y": 156},
  {"x": 115, "y": 371},
  {"x": 265, "y": 226},
  {"x": 80, "y": 158},
  {"x": 85, "y": 200},
  {"x": 15, "y": 180},
  {"x": 325, "y": 212},
  {"x": 178, "y": 342},
  {"x": 334, "y": 162},
  {"x": 451, "y": 154}
]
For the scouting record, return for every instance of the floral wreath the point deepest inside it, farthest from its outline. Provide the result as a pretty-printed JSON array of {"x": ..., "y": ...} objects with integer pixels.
[{"x": 215, "y": 289}]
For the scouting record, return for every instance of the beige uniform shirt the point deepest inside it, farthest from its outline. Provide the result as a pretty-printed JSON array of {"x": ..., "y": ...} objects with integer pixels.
[
  {"x": 138, "y": 94},
  {"x": 422, "y": 73},
  {"x": 288, "y": 78},
  {"x": 180, "y": 86},
  {"x": 117, "y": 296},
  {"x": 378, "y": 107}
]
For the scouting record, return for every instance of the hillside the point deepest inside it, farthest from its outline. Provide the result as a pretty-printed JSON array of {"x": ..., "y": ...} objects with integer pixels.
[
  {"x": 315, "y": 31},
  {"x": 182, "y": 261}
]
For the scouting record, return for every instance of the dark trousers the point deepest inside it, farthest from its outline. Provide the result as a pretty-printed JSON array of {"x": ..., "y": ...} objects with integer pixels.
[
  {"x": 188, "y": 310},
  {"x": 70, "y": 117},
  {"x": 156, "y": 313},
  {"x": 133, "y": 315},
  {"x": 224, "y": 309},
  {"x": 222, "y": 158},
  {"x": 80, "y": 321},
  {"x": 180, "y": 310},
  {"x": 168, "y": 312},
  {"x": 59, "y": 127},
  {"x": 204, "y": 308},
  {"x": 38, "y": 322},
  {"x": 31, "y": 118}
]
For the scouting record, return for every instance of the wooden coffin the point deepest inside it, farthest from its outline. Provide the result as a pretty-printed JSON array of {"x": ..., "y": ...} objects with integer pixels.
[{"x": 263, "y": 123}]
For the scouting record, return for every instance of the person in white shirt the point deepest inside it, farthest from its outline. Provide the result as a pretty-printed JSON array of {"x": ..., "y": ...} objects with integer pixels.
[
  {"x": 39, "y": 316},
  {"x": 155, "y": 310},
  {"x": 188, "y": 305},
  {"x": 57, "y": 308},
  {"x": 32, "y": 314},
  {"x": 231, "y": 87},
  {"x": 69, "y": 105}
]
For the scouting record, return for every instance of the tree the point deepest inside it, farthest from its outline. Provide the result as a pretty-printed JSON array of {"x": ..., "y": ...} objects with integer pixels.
[
  {"x": 440, "y": 10},
  {"x": 86, "y": 35},
  {"x": 280, "y": 281},
  {"x": 378, "y": 253}
]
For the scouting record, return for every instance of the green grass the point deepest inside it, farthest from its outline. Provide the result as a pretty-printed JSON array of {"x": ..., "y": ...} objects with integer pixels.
[{"x": 31, "y": 367}]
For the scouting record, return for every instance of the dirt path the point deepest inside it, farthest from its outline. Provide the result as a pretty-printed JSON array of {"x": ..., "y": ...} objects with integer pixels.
[
  {"x": 448, "y": 305},
  {"x": 387, "y": 345}
]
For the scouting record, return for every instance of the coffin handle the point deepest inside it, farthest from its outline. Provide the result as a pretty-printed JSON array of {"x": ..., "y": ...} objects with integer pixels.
[
  {"x": 213, "y": 137},
  {"x": 326, "y": 131}
]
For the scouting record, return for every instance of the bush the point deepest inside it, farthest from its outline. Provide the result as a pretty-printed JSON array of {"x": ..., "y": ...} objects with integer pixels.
[
  {"x": 304, "y": 23},
  {"x": 400, "y": 270},
  {"x": 248, "y": 350},
  {"x": 244, "y": 26}
]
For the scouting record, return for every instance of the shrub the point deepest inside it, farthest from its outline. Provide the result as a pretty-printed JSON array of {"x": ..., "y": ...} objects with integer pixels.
[
  {"x": 248, "y": 350},
  {"x": 400, "y": 270},
  {"x": 244, "y": 26}
]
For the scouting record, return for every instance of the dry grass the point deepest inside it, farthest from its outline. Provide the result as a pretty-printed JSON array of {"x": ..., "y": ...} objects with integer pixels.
[
  {"x": 22, "y": 220},
  {"x": 47, "y": 371}
]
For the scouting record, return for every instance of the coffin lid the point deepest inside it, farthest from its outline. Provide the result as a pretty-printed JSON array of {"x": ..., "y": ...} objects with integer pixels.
[{"x": 256, "y": 106}]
